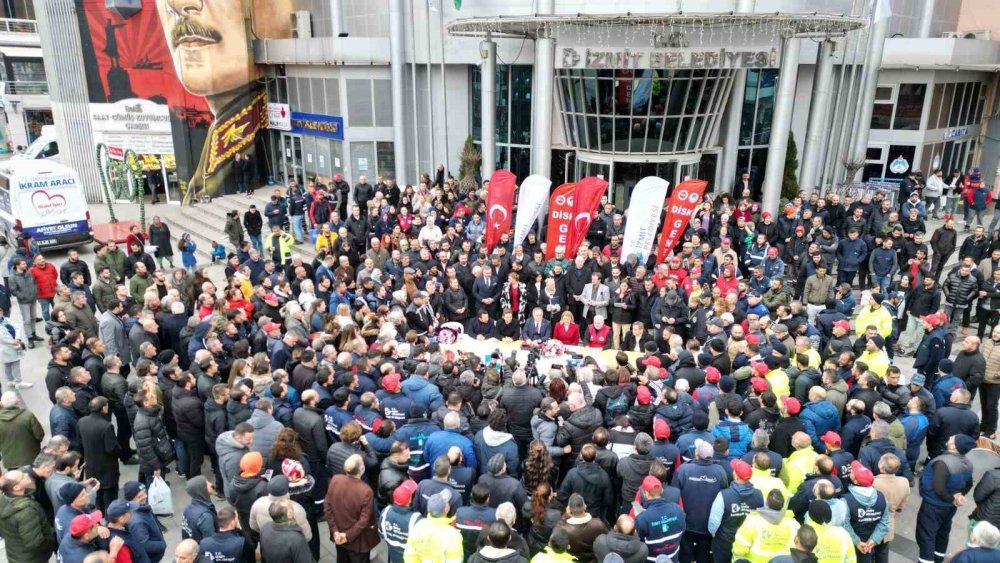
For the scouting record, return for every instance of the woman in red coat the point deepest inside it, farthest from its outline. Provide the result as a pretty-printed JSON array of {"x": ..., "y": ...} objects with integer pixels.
[{"x": 566, "y": 330}]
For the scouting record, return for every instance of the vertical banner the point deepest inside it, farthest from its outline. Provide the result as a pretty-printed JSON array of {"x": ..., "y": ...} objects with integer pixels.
[
  {"x": 499, "y": 203},
  {"x": 560, "y": 217},
  {"x": 680, "y": 209},
  {"x": 646, "y": 205},
  {"x": 587, "y": 198},
  {"x": 531, "y": 197}
]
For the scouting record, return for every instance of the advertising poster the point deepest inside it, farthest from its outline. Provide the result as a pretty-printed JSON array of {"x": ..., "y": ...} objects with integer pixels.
[{"x": 195, "y": 61}]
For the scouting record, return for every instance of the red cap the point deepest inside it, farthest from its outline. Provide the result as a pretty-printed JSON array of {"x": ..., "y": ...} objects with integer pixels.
[
  {"x": 661, "y": 430},
  {"x": 792, "y": 405},
  {"x": 376, "y": 425},
  {"x": 270, "y": 296},
  {"x": 390, "y": 382},
  {"x": 760, "y": 368},
  {"x": 753, "y": 339},
  {"x": 765, "y": 215},
  {"x": 759, "y": 384},
  {"x": 652, "y": 361},
  {"x": 83, "y": 522},
  {"x": 861, "y": 474},
  {"x": 663, "y": 373},
  {"x": 741, "y": 469},
  {"x": 831, "y": 438},
  {"x": 800, "y": 228},
  {"x": 712, "y": 374},
  {"x": 271, "y": 327},
  {"x": 726, "y": 240},
  {"x": 650, "y": 483},
  {"x": 643, "y": 395},
  {"x": 403, "y": 494},
  {"x": 844, "y": 324},
  {"x": 932, "y": 320},
  {"x": 773, "y": 251}
]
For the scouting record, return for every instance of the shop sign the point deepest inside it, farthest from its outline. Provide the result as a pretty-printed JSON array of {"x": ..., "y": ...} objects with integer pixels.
[
  {"x": 329, "y": 126},
  {"x": 956, "y": 132},
  {"x": 141, "y": 125},
  {"x": 684, "y": 58},
  {"x": 899, "y": 166},
  {"x": 279, "y": 117}
]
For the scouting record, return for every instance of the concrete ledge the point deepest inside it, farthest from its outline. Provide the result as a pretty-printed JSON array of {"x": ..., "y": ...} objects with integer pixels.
[{"x": 323, "y": 51}]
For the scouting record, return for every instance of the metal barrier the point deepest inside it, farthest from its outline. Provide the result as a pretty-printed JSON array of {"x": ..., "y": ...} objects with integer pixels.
[
  {"x": 885, "y": 186},
  {"x": 10, "y": 25},
  {"x": 27, "y": 88}
]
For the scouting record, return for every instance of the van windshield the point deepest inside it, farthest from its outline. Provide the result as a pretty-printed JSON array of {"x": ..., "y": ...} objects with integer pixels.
[{"x": 43, "y": 147}]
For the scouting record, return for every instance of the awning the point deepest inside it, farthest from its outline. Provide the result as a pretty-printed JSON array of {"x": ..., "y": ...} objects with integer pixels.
[{"x": 22, "y": 52}]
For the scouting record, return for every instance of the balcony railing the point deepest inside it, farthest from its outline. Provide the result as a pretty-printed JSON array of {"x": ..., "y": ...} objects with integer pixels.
[
  {"x": 9, "y": 25},
  {"x": 27, "y": 88}
]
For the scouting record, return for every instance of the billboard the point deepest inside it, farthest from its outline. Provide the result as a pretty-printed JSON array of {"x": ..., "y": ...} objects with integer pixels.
[{"x": 177, "y": 79}]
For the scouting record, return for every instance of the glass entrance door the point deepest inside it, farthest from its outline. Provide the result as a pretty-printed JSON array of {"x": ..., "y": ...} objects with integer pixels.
[
  {"x": 291, "y": 157},
  {"x": 628, "y": 174}
]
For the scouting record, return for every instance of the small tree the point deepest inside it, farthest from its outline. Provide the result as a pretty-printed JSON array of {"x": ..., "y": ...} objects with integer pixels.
[
  {"x": 468, "y": 166},
  {"x": 851, "y": 167},
  {"x": 789, "y": 182}
]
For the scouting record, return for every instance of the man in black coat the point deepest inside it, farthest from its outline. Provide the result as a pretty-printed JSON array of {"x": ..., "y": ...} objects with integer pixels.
[
  {"x": 521, "y": 400},
  {"x": 590, "y": 481},
  {"x": 956, "y": 418},
  {"x": 579, "y": 426},
  {"x": 101, "y": 450},
  {"x": 970, "y": 364},
  {"x": 308, "y": 421},
  {"x": 189, "y": 415}
]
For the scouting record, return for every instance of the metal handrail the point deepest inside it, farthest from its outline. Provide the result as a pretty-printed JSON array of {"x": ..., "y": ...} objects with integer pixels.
[
  {"x": 27, "y": 88},
  {"x": 11, "y": 25}
]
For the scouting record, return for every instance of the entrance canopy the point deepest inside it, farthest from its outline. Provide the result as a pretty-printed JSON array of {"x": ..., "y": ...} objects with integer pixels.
[{"x": 663, "y": 26}]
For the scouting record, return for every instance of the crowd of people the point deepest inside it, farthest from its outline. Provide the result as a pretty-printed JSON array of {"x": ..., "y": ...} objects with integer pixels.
[{"x": 752, "y": 413}]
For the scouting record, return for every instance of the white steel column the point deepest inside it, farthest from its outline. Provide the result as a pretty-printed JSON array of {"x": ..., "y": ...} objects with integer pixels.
[
  {"x": 541, "y": 106},
  {"x": 926, "y": 19},
  {"x": 734, "y": 111},
  {"x": 397, "y": 60},
  {"x": 781, "y": 123},
  {"x": 873, "y": 65},
  {"x": 818, "y": 113},
  {"x": 488, "y": 106}
]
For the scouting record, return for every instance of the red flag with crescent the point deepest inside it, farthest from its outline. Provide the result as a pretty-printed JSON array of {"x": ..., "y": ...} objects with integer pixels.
[
  {"x": 560, "y": 217},
  {"x": 680, "y": 208},
  {"x": 499, "y": 203},
  {"x": 589, "y": 192}
]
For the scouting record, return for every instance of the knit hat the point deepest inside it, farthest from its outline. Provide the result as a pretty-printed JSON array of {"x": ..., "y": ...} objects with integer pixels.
[
  {"x": 820, "y": 512},
  {"x": 132, "y": 489},
  {"x": 69, "y": 492},
  {"x": 118, "y": 508},
  {"x": 81, "y": 523},
  {"x": 946, "y": 366},
  {"x": 403, "y": 494},
  {"x": 964, "y": 443},
  {"x": 712, "y": 374},
  {"x": 741, "y": 469},
  {"x": 778, "y": 347},
  {"x": 661, "y": 430},
  {"x": 643, "y": 396},
  {"x": 251, "y": 464},
  {"x": 699, "y": 419},
  {"x": 278, "y": 486},
  {"x": 753, "y": 339},
  {"x": 727, "y": 383},
  {"x": 861, "y": 474},
  {"x": 165, "y": 357},
  {"x": 496, "y": 464}
]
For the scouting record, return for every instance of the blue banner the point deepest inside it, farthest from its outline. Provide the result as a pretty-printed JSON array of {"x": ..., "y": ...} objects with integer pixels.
[{"x": 329, "y": 126}]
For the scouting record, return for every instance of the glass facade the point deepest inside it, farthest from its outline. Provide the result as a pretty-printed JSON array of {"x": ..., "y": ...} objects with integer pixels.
[
  {"x": 755, "y": 124},
  {"x": 641, "y": 111},
  {"x": 513, "y": 116},
  {"x": 899, "y": 107}
]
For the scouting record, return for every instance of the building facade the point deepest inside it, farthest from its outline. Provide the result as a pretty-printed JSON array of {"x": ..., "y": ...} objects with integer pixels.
[
  {"x": 697, "y": 88},
  {"x": 26, "y": 104}
]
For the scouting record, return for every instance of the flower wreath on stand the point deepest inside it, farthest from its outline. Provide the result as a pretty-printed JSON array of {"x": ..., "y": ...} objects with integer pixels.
[{"x": 552, "y": 348}]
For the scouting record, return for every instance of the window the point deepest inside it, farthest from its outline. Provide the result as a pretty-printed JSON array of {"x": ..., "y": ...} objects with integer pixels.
[
  {"x": 359, "y": 103},
  {"x": 25, "y": 70},
  {"x": 383, "y": 102},
  {"x": 956, "y": 107},
  {"x": 949, "y": 93},
  {"x": 874, "y": 163},
  {"x": 513, "y": 112},
  {"x": 885, "y": 100},
  {"x": 385, "y": 159},
  {"x": 909, "y": 107}
]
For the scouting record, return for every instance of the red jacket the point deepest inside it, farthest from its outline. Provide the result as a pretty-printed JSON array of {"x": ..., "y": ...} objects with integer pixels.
[
  {"x": 569, "y": 336},
  {"x": 46, "y": 278},
  {"x": 598, "y": 339}
]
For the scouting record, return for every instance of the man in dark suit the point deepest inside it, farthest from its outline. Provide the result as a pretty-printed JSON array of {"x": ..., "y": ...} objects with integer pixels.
[
  {"x": 636, "y": 340},
  {"x": 101, "y": 450},
  {"x": 538, "y": 328},
  {"x": 486, "y": 292}
]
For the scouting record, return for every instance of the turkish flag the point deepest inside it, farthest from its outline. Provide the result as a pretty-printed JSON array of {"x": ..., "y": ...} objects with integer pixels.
[
  {"x": 683, "y": 201},
  {"x": 589, "y": 192},
  {"x": 499, "y": 203},
  {"x": 560, "y": 217}
]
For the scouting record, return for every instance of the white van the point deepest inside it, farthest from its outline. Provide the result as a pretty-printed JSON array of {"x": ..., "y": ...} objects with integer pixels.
[
  {"x": 46, "y": 146},
  {"x": 45, "y": 199}
]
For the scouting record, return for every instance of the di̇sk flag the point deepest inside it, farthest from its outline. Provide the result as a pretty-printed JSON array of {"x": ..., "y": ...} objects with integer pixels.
[
  {"x": 499, "y": 203},
  {"x": 560, "y": 217},
  {"x": 685, "y": 199},
  {"x": 587, "y": 197}
]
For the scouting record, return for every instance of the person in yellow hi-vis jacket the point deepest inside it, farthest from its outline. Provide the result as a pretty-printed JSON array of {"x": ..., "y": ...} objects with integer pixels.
[
  {"x": 434, "y": 539},
  {"x": 767, "y": 532},
  {"x": 874, "y": 315},
  {"x": 800, "y": 463},
  {"x": 279, "y": 246},
  {"x": 833, "y": 543}
]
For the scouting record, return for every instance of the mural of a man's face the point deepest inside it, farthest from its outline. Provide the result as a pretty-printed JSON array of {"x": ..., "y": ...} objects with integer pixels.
[{"x": 208, "y": 40}]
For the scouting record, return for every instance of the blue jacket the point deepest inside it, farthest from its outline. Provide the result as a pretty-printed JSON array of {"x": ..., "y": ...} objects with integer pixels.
[
  {"x": 677, "y": 416},
  {"x": 818, "y": 417},
  {"x": 854, "y": 431},
  {"x": 64, "y": 516},
  {"x": 72, "y": 550},
  {"x": 959, "y": 478},
  {"x": 139, "y": 554},
  {"x": 423, "y": 392},
  {"x": 699, "y": 482},
  {"x": 415, "y": 433},
  {"x": 930, "y": 352},
  {"x": 198, "y": 521},
  {"x": 976, "y": 554},
  {"x": 394, "y": 525},
  {"x": 395, "y": 407},
  {"x": 145, "y": 529},
  {"x": 489, "y": 442},
  {"x": 915, "y": 426},
  {"x": 439, "y": 442},
  {"x": 851, "y": 254},
  {"x": 738, "y": 434},
  {"x": 335, "y": 418},
  {"x": 62, "y": 421},
  {"x": 685, "y": 443},
  {"x": 874, "y": 451},
  {"x": 660, "y": 526},
  {"x": 883, "y": 261},
  {"x": 223, "y": 547},
  {"x": 943, "y": 388}
]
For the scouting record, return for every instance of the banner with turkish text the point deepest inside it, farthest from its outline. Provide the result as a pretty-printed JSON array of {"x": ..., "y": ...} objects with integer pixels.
[
  {"x": 531, "y": 197},
  {"x": 685, "y": 199},
  {"x": 645, "y": 207},
  {"x": 499, "y": 203},
  {"x": 589, "y": 192},
  {"x": 560, "y": 217}
]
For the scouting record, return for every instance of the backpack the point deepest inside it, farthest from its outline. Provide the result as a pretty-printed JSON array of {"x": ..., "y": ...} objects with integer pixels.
[{"x": 616, "y": 406}]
